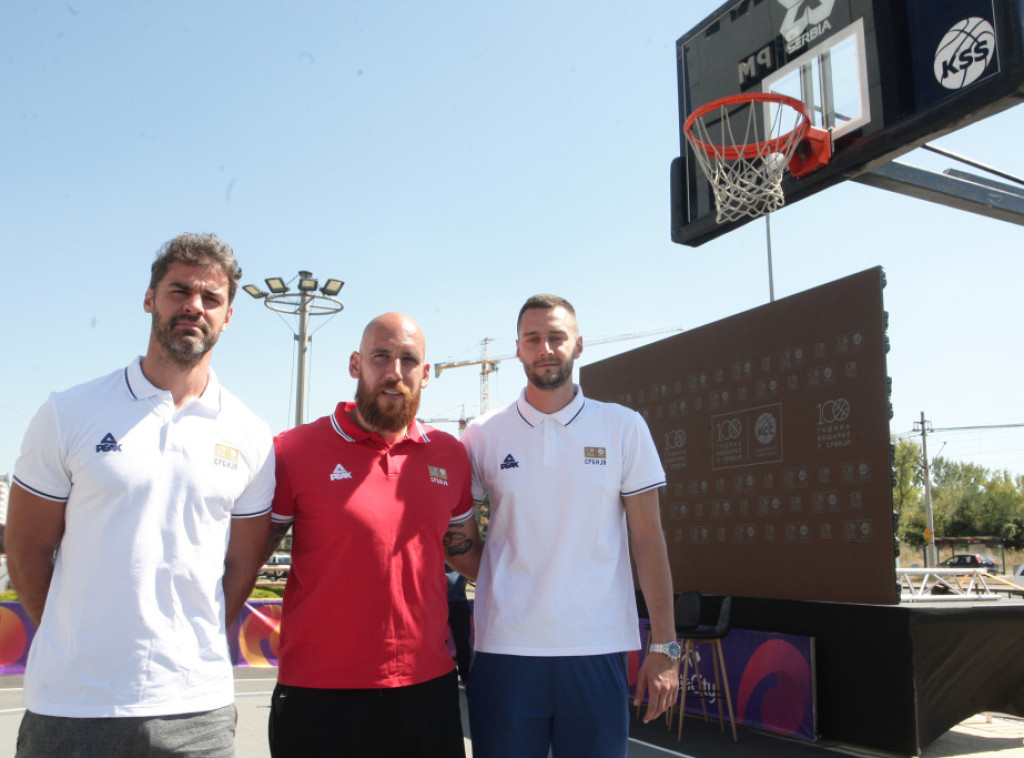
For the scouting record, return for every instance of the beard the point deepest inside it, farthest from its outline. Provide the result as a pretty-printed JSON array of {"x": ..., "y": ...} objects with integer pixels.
[
  {"x": 185, "y": 348},
  {"x": 388, "y": 415},
  {"x": 550, "y": 377}
]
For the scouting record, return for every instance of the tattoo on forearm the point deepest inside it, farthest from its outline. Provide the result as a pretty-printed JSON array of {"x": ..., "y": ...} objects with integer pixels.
[{"x": 456, "y": 542}]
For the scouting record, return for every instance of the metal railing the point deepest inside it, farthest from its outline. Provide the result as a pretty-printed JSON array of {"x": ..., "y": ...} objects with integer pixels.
[{"x": 938, "y": 584}]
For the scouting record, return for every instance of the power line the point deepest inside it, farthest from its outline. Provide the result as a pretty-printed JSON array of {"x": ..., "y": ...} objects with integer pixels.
[
  {"x": 916, "y": 432},
  {"x": 996, "y": 452},
  {"x": 976, "y": 428}
]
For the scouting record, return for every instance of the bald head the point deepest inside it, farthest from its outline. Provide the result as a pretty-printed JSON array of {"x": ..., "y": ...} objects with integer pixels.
[
  {"x": 393, "y": 326},
  {"x": 391, "y": 368}
]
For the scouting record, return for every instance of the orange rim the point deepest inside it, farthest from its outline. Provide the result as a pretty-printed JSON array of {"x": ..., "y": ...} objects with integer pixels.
[{"x": 753, "y": 149}]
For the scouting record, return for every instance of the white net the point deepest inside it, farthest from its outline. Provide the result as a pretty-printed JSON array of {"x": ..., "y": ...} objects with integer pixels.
[{"x": 744, "y": 149}]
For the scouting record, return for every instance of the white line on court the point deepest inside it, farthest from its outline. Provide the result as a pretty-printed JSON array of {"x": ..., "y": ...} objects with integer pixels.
[{"x": 660, "y": 748}]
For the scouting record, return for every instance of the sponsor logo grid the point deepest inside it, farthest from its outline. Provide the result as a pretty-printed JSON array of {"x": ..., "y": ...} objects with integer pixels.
[{"x": 739, "y": 415}]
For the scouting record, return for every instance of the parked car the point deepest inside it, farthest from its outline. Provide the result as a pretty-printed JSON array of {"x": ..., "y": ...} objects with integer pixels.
[
  {"x": 970, "y": 561},
  {"x": 277, "y": 566}
]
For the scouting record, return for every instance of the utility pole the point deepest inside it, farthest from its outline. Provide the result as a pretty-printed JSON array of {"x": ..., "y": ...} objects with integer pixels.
[{"x": 930, "y": 557}]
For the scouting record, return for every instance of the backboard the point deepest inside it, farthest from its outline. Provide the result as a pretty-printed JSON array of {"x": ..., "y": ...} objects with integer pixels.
[{"x": 883, "y": 76}]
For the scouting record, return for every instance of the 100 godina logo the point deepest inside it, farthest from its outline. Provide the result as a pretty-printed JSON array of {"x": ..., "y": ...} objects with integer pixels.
[
  {"x": 728, "y": 430},
  {"x": 675, "y": 439},
  {"x": 834, "y": 429},
  {"x": 833, "y": 411}
]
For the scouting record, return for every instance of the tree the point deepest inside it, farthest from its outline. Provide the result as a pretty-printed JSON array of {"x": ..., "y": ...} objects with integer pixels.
[
  {"x": 976, "y": 502},
  {"x": 967, "y": 499},
  {"x": 1003, "y": 509},
  {"x": 958, "y": 495},
  {"x": 908, "y": 491}
]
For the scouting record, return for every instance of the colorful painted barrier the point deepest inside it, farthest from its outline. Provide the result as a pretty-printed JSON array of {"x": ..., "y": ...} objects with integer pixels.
[
  {"x": 16, "y": 633},
  {"x": 771, "y": 676},
  {"x": 771, "y": 679},
  {"x": 252, "y": 640},
  {"x": 255, "y": 637}
]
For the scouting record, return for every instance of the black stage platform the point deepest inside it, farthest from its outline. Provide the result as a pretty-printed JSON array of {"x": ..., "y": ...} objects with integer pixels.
[{"x": 895, "y": 678}]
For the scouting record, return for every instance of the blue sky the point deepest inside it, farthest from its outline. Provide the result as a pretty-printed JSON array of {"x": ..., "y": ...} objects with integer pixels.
[{"x": 447, "y": 159}]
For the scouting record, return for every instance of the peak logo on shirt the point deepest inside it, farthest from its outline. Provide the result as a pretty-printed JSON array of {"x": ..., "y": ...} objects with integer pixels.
[
  {"x": 595, "y": 456},
  {"x": 438, "y": 475},
  {"x": 225, "y": 457},
  {"x": 509, "y": 462},
  {"x": 108, "y": 445},
  {"x": 340, "y": 472}
]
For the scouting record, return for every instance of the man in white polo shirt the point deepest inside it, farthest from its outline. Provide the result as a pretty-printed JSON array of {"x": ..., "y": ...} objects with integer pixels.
[
  {"x": 136, "y": 525},
  {"x": 555, "y": 607}
]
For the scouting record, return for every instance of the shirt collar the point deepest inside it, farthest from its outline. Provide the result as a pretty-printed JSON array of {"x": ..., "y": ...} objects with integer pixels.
[
  {"x": 350, "y": 431},
  {"x": 140, "y": 388},
  {"x": 563, "y": 416}
]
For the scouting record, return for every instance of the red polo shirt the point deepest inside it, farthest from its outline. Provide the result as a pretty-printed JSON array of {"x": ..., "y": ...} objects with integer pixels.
[{"x": 366, "y": 601}]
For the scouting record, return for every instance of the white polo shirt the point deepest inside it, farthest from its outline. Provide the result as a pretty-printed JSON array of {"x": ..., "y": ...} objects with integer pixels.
[
  {"x": 134, "y": 619},
  {"x": 555, "y": 575}
]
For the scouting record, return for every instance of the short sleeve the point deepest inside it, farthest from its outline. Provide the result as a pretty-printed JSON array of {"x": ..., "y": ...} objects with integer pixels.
[
  {"x": 641, "y": 470},
  {"x": 284, "y": 500},
  {"x": 256, "y": 497},
  {"x": 41, "y": 467},
  {"x": 470, "y": 441},
  {"x": 464, "y": 505}
]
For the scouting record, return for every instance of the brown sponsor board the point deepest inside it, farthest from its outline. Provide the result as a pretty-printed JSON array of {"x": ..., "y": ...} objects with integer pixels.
[{"x": 773, "y": 427}]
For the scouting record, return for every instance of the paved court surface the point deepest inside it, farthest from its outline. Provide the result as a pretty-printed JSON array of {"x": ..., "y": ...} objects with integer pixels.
[{"x": 1002, "y": 737}]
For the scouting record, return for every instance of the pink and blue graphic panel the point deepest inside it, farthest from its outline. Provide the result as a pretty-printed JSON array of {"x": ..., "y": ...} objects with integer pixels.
[{"x": 771, "y": 680}]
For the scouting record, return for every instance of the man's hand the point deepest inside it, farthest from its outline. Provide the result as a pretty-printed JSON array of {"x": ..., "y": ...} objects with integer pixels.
[{"x": 659, "y": 679}]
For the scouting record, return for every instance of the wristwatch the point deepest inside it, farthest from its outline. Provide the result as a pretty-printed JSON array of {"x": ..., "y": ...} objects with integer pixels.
[{"x": 671, "y": 649}]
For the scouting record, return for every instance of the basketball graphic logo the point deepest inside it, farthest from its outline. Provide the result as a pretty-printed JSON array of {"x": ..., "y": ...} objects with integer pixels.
[
  {"x": 964, "y": 53},
  {"x": 765, "y": 428}
]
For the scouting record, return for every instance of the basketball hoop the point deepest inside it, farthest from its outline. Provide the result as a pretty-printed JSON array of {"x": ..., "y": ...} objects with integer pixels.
[{"x": 744, "y": 144}]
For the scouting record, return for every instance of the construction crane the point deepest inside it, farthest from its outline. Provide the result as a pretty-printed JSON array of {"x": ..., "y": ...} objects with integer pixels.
[
  {"x": 462, "y": 421},
  {"x": 489, "y": 365}
]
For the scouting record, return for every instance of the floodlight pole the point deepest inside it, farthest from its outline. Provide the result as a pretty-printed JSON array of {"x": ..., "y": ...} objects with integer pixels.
[
  {"x": 310, "y": 300},
  {"x": 930, "y": 557},
  {"x": 303, "y": 339}
]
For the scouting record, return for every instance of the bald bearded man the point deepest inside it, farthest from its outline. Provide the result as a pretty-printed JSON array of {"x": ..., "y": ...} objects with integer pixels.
[{"x": 377, "y": 502}]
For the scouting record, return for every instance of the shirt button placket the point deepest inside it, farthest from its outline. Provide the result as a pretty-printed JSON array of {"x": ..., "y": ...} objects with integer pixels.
[{"x": 550, "y": 442}]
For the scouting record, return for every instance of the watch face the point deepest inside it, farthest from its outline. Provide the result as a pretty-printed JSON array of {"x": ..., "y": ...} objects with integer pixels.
[{"x": 671, "y": 649}]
